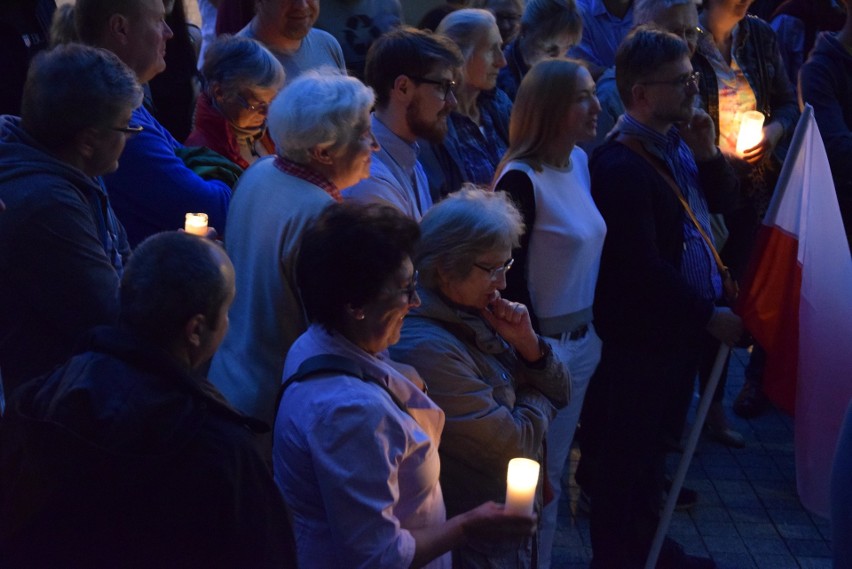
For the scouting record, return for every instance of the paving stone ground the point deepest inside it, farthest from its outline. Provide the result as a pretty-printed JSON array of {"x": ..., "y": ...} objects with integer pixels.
[{"x": 748, "y": 515}]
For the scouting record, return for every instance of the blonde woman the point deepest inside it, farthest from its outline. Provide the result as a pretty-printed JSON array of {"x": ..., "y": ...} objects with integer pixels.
[{"x": 547, "y": 176}]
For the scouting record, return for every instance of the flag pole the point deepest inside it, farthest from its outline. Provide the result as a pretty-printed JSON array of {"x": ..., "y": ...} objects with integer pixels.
[{"x": 689, "y": 451}]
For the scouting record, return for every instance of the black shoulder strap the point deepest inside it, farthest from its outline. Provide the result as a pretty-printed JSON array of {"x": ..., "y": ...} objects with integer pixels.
[{"x": 315, "y": 366}]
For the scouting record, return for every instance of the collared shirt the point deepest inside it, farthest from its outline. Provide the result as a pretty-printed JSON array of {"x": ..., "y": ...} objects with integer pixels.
[
  {"x": 480, "y": 145},
  {"x": 396, "y": 177},
  {"x": 303, "y": 172},
  {"x": 698, "y": 266},
  {"x": 602, "y": 33}
]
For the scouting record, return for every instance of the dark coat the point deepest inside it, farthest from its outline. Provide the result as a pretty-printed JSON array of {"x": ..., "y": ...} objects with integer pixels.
[{"x": 121, "y": 459}]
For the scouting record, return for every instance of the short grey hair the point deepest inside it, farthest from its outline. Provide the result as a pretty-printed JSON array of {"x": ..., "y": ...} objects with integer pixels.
[
  {"x": 466, "y": 27},
  {"x": 73, "y": 87},
  {"x": 321, "y": 108},
  {"x": 466, "y": 225},
  {"x": 237, "y": 63},
  {"x": 647, "y": 11}
]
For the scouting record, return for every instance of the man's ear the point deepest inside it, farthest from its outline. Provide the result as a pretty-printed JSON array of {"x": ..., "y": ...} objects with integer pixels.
[
  {"x": 403, "y": 88},
  {"x": 195, "y": 330},
  {"x": 85, "y": 142},
  {"x": 639, "y": 93},
  {"x": 118, "y": 27}
]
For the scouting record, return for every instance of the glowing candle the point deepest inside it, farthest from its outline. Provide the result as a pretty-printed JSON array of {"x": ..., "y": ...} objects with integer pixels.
[
  {"x": 521, "y": 481},
  {"x": 196, "y": 223},
  {"x": 751, "y": 131}
]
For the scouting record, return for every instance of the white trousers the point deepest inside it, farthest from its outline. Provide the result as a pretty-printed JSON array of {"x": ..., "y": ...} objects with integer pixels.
[{"x": 582, "y": 357}]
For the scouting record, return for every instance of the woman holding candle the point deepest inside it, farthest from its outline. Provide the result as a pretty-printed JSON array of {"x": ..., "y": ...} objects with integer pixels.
[
  {"x": 741, "y": 70},
  {"x": 547, "y": 176},
  {"x": 478, "y": 126},
  {"x": 497, "y": 381},
  {"x": 241, "y": 79},
  {"x": 356, "y": 437}
]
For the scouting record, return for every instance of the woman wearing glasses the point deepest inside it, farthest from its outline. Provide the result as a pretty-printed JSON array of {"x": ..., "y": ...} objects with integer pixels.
[
  {"x": 356, "y": 437},
  {"x": 497, "y": 381},
  {"x": 547, "y": 176},
  {"x": 478, "y": 126},
  {"x": 241, "y": 79}
]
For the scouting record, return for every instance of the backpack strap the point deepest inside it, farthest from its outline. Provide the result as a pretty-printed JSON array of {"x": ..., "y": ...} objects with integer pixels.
[{"x": 316, "y": 366}]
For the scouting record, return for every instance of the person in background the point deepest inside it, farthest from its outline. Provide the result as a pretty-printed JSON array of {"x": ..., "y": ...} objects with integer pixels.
[
  {"x": 797, "y": 23},
  {"x": 241, "y": 77},
  {"x": 62, "y": 28},
  {"x": 62, "y": 249},
  {"x": 496, "y": 380},
  {"x": 321, "y": 127},
  {"x": 433, "y": 17},
  {"x": 605, "y": 23},
  {"x": 412, "y": 74},
  {"x": 208, "y": 10},
  {"x": 547, "y": 176},
  {"x": 654, "y": 183},
  {"x": 173, "y": 91},
  {"x": 741, "y": 70},
  {"x": 479, "y": 126},
  {"x": 356, "y": 24},
  {"x": 825, "y": 82},
  {"x": 125, "y": 456},
  {"x": 285, "y": 27},
  {"x": 679, "y": 17},
  {"x": 356, "y": 439},
  {"x": 153, "y": 189},
  {"x": 548, "y": 29},
  {"x": 506, "y": 12},
  {"x": 24, "y": 31}
]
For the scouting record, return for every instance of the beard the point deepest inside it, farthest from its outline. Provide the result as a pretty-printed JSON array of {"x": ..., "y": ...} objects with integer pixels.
[{"x": 432, "y": 131}]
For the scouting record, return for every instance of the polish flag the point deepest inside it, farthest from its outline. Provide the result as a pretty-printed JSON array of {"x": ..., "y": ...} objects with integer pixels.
[{"x": 796, "y": 300}]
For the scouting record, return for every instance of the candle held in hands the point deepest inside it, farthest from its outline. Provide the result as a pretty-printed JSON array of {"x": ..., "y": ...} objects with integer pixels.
[
  {"x": 751, "y": 131},
  {"x": 521, "y": 482},
  {"x": 196, "y": 224}
]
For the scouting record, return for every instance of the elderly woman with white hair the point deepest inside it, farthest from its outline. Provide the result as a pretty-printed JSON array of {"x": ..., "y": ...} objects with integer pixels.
[
  {"x": 321, "y": 126},
  {"x": 498, "y": 383},
  {"x": 478, "y": 127},
  {"x": 241, "y": 79}
]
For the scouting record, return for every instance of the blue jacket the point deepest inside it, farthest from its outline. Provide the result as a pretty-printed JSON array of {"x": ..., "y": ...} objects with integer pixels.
[
  {"x": 62, "y": 252},
  {"x": 153, "y": 189}
]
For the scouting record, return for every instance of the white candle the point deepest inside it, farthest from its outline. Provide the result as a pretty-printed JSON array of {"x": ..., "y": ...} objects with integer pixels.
[
  {"x": 751, "y": 131},
  {"x": 196, "y": 223},
  {"x": 521, "y": 481}
]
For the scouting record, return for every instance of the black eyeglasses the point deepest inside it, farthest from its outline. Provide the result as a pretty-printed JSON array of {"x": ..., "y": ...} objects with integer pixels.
[
  {"x": 447, "y": 85},
  {"x": 495, "y": 272},
  {"x": 411, "y": 290},
  {"x": 129, "y": 131},
  {"x": 683, "y": 80},
  {"x": 255, "y": 108}
]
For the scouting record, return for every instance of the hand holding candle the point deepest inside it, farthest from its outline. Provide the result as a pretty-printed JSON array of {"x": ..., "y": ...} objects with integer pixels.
[
  {"x": 751, "y": 131},
  {"x": 521, "y": 482},
  {"x": 196, "y": 224}
]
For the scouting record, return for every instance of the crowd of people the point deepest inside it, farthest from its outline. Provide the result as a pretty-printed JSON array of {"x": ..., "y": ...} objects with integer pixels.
[{"x": 337, "y": 371}]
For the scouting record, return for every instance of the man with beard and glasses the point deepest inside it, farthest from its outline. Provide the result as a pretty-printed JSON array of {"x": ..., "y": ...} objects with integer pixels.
[
  {"x": 412, "y": 73},
  {"x": 654, "y": 181}
]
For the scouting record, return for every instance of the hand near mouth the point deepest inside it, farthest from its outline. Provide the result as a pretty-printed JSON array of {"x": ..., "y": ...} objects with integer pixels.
[{"x": 512, "y": 321}]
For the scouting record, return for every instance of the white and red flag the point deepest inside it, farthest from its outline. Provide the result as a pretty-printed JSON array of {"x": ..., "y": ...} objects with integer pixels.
[{"x": 796, "y": 300}]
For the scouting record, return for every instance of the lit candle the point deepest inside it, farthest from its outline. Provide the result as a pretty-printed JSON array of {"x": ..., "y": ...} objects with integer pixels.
[
  {"x": 521, "y": 481},
  {"x": 751, "y": 131},
  {"x": 196, "y": 223}
]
